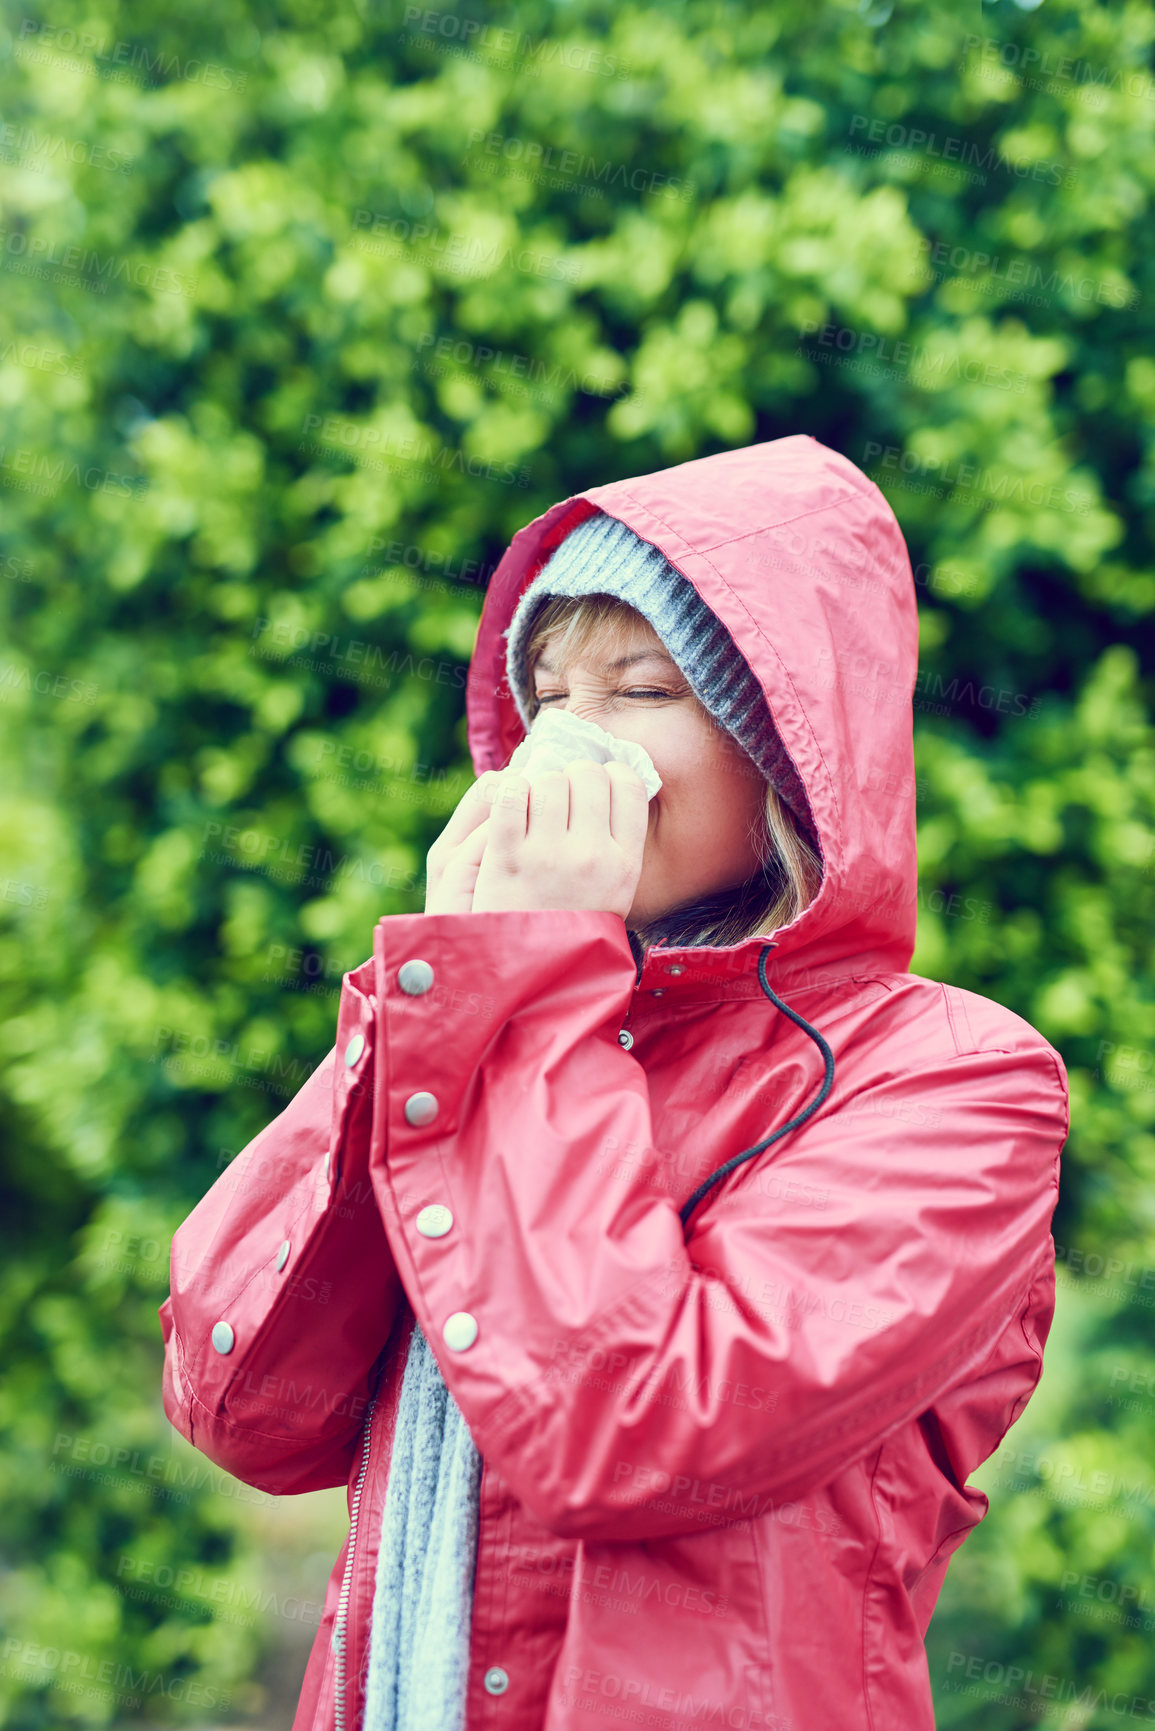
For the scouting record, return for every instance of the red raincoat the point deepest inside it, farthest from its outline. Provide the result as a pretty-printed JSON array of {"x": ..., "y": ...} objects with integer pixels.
[{"x": 725, "y": 1463}]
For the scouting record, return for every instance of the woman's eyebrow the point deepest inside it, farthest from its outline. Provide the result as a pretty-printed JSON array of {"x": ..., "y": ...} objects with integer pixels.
[{"x": 544, "y": 666}]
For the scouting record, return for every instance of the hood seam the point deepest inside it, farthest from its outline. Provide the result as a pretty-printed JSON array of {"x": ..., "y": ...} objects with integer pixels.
[{"x": 784, "y": 522}]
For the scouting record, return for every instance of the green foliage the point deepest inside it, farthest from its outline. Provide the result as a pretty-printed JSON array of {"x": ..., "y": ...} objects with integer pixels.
[{"x": 303, "y": 314}]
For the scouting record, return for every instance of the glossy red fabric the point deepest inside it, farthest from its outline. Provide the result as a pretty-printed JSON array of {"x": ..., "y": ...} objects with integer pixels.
[{"x": 725, "y": 1466}]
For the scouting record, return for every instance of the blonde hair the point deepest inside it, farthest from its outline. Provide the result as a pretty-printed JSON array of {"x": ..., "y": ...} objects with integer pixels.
[{"x": 790, "y": 870}]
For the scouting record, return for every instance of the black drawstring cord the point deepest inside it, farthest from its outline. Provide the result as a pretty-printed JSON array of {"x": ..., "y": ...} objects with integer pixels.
[{"x": 828, "y": 1082}]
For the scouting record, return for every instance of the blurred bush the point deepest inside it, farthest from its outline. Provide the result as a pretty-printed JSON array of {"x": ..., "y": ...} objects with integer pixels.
[{"x": 303, "y": 314}]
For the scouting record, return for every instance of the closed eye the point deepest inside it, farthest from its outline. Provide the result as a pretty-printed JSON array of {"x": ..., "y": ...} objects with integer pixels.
[{"x": 551, "y": 696}]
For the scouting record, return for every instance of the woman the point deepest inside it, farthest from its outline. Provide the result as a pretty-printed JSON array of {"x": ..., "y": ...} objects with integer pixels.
[{"x": 727, "y": 1236}]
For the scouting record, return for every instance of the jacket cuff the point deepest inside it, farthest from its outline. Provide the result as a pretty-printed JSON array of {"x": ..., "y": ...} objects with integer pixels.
[{"x": 473, "y": 1008}]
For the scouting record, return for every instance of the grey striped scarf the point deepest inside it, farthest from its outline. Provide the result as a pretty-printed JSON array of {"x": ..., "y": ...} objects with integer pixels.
[{"x": 423, "y": 1595}]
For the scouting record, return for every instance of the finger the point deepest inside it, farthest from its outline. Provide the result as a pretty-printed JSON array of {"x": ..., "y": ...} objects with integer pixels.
[
  {"x": 629, "y": 807},
  {"x": 459, "y": 879},
  {"x": 508, "y": 813},
  {"x": 549, "y": 804},
  {"x": 590, "y": 791},
  {"x": 472, "y": 809}
]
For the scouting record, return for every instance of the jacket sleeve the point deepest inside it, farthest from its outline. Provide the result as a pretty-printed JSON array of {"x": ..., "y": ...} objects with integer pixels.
[
  {"x": 627, "y": 1375},
  {"x": 283, "y": 1290}
]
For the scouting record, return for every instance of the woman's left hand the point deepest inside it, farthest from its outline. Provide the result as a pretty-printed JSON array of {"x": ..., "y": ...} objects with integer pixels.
[{"x": 574, "y": 839}]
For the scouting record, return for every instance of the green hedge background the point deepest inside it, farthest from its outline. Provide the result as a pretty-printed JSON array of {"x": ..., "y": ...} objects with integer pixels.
[{"x": 304, "y": 310}]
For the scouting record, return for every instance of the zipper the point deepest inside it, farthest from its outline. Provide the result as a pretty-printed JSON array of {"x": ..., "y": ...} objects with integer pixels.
[{"x": 338, "y": 1638}]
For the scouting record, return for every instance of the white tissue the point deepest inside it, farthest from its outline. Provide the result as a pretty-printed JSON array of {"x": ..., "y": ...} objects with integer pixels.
[{"x": 558, "y": 738}]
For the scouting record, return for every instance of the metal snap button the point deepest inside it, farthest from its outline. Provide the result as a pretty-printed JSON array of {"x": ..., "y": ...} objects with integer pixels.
[
  {"x": 223, "y": 1337},
  {"x": 415, "y": 978},
  {"x": 283, "y": 1255},
  {"x": 496, "y": 1680},
  {"x": 354, "y": 1049},
  {"x": 625, "y": 1038},
  {"x": 675, "y": 968},
  {"x": 434, "y": 1221},
  {"x": 421, "y": 1108},
  {"x": 460, "y": 1331}
]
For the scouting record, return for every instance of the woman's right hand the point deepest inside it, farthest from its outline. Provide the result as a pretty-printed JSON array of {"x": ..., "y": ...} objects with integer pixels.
[{"x": 453, "y": 862}]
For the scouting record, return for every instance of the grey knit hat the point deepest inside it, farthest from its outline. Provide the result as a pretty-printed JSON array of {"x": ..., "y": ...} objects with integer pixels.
[{"x": 603, "y": 556}]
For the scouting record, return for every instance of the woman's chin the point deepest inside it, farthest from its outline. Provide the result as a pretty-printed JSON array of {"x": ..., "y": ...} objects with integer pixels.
[
  {"x": 646, "y": 908},
  {"x": 640, "y": 914}
]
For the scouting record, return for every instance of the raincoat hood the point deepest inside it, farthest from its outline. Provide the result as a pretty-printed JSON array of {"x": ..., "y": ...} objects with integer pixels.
[{"x": 802, "y": 559}]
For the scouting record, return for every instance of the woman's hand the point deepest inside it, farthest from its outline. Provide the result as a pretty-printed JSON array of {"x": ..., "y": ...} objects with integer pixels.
[
  {"x": 452, "y": 863},
  {"x": 573, "y": 840}
]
